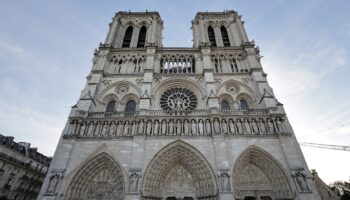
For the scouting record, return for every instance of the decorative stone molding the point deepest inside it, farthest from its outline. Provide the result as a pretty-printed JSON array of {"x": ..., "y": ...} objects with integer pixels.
[
  {"x": 224, "y": 181},
  {"x": 300, "y": 180}
]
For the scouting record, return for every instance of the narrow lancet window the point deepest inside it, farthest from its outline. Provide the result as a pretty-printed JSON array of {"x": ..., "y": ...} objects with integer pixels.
[
  {"x": 110, "y": 106},
  {"x": 142, "y": 37},
  {"x": 211, "y": 36},
  {"x": 127, "y": 37},
  {"x": 130, "y": 106},
  {"x": 224, "y": 36},
  {"x": 244, "y": 104},
  {"x": 225, "y": 105}
]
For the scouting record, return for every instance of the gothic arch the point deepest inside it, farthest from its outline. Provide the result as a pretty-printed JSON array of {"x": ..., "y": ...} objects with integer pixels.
[
  {"x": 99, "y": 177},
  {"x": 240, "y": 84},
  {"x": 257, "y": 173},
  {"x": 107, "y": 91},
  {"x": 179, "y": 155}
]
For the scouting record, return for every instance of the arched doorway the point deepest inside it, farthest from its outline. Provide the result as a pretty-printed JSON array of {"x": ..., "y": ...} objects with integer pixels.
[
  {"x": 100, "y": 178},
  {"x": 258, "y": 176},
  {"x": 179, "y": 171}
]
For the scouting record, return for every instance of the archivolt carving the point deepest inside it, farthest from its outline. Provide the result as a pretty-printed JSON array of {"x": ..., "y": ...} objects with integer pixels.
[
  {"x": 257, "y": 173},
  {"x": 234, "y": 82},
  {"x": 176, "y": 82},
  {"x": 111, "y": 89},
  {"x": 99, "y": 178},
  {"x": 181, "y": 156}
]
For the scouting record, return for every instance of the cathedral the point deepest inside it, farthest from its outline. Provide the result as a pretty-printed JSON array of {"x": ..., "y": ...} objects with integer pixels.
[{"x": 178, "y": 123}]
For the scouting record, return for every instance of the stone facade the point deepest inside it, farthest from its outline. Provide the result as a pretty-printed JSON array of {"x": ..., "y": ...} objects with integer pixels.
[
  {"x": 158, "y": 122},
  {"x": 22, "y": 170}
]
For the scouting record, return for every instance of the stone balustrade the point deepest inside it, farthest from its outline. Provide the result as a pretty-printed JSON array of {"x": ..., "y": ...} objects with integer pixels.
[{"x": 252, "y": 122}]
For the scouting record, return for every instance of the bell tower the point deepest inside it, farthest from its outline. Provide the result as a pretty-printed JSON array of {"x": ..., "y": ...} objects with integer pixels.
[
  {"x": 218, "y": 29},
  {"x": 135, "y": 30}
]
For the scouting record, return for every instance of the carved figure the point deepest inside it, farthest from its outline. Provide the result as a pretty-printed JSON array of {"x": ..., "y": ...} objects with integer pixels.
[
  {"x": 51, "y": 189},
  {"x": 247, "y": 126},
  {"x": 104, "y": 131},
  {"x": 270, "y": 126},
  {"x": 239, "y": 127},
  {"x": 140, "y": 128},
  {"x": 126, "y": 128},
  {"x": 224, "y": 126},
  {"x": 186, "y": 130},
  {"x": 171, "y": 127},
  {"x": 200, "y": 127},
  {"x": 113, "y": 129},
  {"x": 164, "y": 127},
  {"x": 262, "y": 126},
  {"x": 149, "y": 128},
  {"x": 232, "y": 127},
  {"x": 193, "y": 127},
  {"x": 133, "y": 128},
  {"x": 208, "y": 127},
  {"x": 98, "y": 129},
  {"x": 156, "y": 128},
  {"x": 90, "y": 129},
  {"x": 83, "y": 129},
  {"x": 120, "y": 128},
  {"x": 178, "y": 127},
  {"x": 216, "y": 126},
  {"x": 255, "y": 128}
]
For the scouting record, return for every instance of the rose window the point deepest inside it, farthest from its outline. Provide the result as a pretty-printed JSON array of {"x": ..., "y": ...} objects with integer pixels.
[{"x": 178, "y": 99}]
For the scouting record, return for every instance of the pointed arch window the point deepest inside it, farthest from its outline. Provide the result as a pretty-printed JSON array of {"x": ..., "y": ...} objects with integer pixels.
[
  {"x": 224, "y": 36},
  {"x": 127, "y": 37},
  {"x": 225, "y": 105},
  {"x": 211, "y": 36},
  {"x": 244, "y": 104},
  {"x": 111, "y": 106},
  {"x": 142, "y": 37},
  {"x": 130, "y": 106}
]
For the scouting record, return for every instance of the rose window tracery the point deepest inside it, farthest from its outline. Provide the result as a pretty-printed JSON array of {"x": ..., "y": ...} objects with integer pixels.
[{"x": 178, "y": 99}]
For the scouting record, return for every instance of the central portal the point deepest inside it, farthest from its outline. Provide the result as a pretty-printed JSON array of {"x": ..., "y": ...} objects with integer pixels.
[{"x": 179, "y": 184}]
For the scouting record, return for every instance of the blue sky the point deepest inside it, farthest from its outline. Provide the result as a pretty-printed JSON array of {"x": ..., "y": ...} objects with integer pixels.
[{"x": 46, "y": 49}]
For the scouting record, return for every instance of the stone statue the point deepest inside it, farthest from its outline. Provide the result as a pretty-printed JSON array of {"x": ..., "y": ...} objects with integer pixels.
[
  {"x": 171, "y": 127},
  {"x": 232, "y": 127},
  {"x": 300, "y": 179},
  {"x": 51, "y": 188},
  {"x": 262, "y": 126},
  {"x": 255, "y": 128},
  {"x": 186, "y": 130},
  {"x": 134, "y": 182},
  {"x": 140, "y": 128},
  {"x": 270, "y": 126},
  {"x": 239, "y": 127},
  {"x": 149, "y": 127},
  {"x": 72, "y": 128},
  {"x": 178, "y": 127},
  {"x": 193, "y": 127},
  {"x": 164, "y": 127},
  {"x": 200, "y": 127},
  {"x": 217, "y": 126},
  {"x": 280, "y": 125},
  {"x": 247, "y": 126},
  {"x": 126, "y": 128},
  {"x": 82, "y": 129},
  {"x": 133, "y": 128},
  {"x": 90, "y": 129},
  {"x": 98, "y": 129},
  {"x": 119, "y": 128},
  {"x": 224, "y": 178},
  {"x": 224, "y": 126},
  {"x": 105, "y": 128},
  {"x": 113, "y": 129},
  {"x": 156, "y": 128},
  {"x": 208, "y": 127}
]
